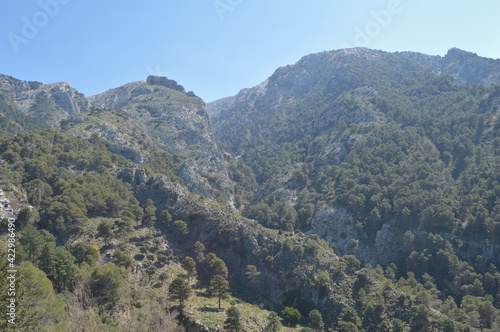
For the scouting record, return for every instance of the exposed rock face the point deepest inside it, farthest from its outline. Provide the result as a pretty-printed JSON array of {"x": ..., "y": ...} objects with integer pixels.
[
  {"x": 332, "y": 70},
  {"x": 163, "y": 81},
  {"x": 175, "y": 122},
  {"x": 337, "y": 227},
  {"x": 352, "y": 107},
  {"x": 6, "y": 210},
  {"x": 193, "y": 181},
  {"x": 154, "y": 114},
  {"x": 52, "y": 102}
]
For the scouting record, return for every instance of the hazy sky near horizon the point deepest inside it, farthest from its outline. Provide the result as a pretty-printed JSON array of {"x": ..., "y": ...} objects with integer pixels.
[{"x": 217, "y": 47}]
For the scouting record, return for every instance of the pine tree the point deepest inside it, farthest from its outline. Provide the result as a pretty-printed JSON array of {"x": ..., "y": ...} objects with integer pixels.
[
  {"x": 47, "y": 260},
  {"x": 181, "y": 228},
  {"x": 397, "y": 325},
  {"x": 106, "y": 231},
  {"x": 217, "y": 265},
  {"x": 149, "y": 213},
  {"x": 122, "y": 259},
  {"x": 349, "y": 316},
  {"x": 273, "y": 323},
  {"x": 199, "y": 249},
  {"x": 421, "y": 318},
  {"x": 32, "y": 242},
  {"x": 233, "y": 321},
  {"x": 166, "y": 218},
  {"x": 316, "y": 321},
  {"x": 64, "y": 267},
  {"x": 252, "y": 273},
  {"x": 290, "y": 316},
  {"x": 125, "y": 223},
  {"x": 39, "y": 307},
  {"x": 448, "y": 326},
  {"x": 219, "y": 286},
  {"x": 179, "y": 290},
  {"x": 190, "y": 266}
]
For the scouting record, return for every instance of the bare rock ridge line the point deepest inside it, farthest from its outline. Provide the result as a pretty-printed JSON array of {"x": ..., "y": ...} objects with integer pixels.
[
  {"x": 318, "y": 68},
  {"x": 158, "y": 113}
]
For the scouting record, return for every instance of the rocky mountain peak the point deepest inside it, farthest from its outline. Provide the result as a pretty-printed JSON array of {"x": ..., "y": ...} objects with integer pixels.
[
  {"x": 342, "y": 70},
  {"x": 172, "y": 120},
  {"x": 166, "y": 82},
  {"x": 471, "y": 68},
  {"x": 454, "y": 52},
  {"x": 52, "y": 102}
]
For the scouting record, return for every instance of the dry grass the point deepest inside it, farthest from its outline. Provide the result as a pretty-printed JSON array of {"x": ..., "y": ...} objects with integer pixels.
[{"x": 204, "y": 311}]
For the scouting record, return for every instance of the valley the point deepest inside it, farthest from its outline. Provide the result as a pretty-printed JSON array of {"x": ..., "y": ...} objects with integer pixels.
[{"x": 358, "y": 185}]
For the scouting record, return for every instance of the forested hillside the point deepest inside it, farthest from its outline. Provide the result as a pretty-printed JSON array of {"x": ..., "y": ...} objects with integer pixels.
[
  {"x": 13, "y": 121},
  {"x": 355, "y": 190},
  {"x": 380, "y": 156}
]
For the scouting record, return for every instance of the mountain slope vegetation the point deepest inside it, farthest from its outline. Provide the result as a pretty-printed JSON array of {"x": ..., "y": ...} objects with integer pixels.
[
  {"x": 356, "y": 190},
  {"x": 394, "y": 152}
]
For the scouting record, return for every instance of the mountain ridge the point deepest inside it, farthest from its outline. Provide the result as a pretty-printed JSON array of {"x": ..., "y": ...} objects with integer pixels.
[
  {"x": 360, "y": 183},
  {"x": 166, "y": 116},
  {"x": 318, "y": 110},
  {"x": 449, "y": 64}
]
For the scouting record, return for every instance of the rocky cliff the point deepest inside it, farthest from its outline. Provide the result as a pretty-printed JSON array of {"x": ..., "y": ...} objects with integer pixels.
[
  {"x": 168, "y": 118},
  {"x": 51, "y": 102},
  {"x": 135, "y": 118}
]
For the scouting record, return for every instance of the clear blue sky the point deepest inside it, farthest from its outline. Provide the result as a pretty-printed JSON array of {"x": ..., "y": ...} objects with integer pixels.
[{"x": 99, "y": 45}]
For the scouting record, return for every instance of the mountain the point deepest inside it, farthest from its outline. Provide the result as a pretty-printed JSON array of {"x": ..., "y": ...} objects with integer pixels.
[
  {"x": 159, "y": 113},
  {"x": 370, "y": 149},
  {"x": 13, "y": 121},
  {"x": 66, "y": 189},
  {"x": 50, "y": 102},
  {"x": 357, "y": 188},
  {"x": 470, "y": 68},
  {"x": 339, "y": 71},
  {"x": 134, "y": 118}
]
